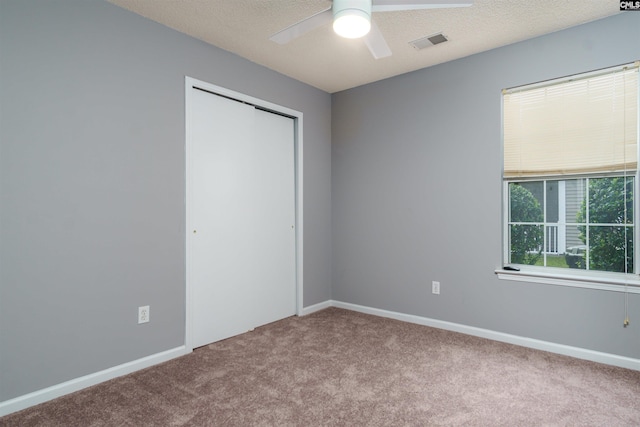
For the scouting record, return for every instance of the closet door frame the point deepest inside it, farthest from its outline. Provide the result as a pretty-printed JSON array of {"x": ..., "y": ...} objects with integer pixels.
[{"x": 190, "y": 84}]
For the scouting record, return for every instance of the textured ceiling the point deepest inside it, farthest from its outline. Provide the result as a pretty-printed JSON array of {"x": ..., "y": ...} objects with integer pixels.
[{"x": 324, "y": 60}]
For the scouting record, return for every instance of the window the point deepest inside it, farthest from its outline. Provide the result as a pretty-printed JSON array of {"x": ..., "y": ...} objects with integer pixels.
[{"x": 570, "y": 173}]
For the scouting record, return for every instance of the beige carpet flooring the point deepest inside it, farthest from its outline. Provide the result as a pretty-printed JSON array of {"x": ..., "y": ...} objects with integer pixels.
[{"x": 341, "y": 368}]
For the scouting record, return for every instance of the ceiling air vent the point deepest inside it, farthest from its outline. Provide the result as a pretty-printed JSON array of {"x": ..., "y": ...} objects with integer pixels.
[{"x": 427, "y": 41}]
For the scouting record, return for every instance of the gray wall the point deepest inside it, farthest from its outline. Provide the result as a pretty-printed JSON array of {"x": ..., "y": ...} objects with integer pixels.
[
  {"x": 92, "y": 184},
  {"x": 416, "y": 193}
]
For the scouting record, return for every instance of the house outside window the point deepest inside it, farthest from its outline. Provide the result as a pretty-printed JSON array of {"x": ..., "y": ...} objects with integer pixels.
[{"x": 570, "y": 173}]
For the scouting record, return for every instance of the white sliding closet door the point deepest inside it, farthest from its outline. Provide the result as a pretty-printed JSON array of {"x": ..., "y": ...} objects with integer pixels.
[{"x": 242, "y": 246}]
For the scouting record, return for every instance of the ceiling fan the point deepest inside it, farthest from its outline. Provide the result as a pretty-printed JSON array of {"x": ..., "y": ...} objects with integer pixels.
[{"x": 352, "y": 19}]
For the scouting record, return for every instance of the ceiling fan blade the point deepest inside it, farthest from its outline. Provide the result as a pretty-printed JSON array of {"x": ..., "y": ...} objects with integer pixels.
[
  {"x": 302, "y": 27},
  {"x": 376, "y": 43},
  {"x": 395, "y": 5}
]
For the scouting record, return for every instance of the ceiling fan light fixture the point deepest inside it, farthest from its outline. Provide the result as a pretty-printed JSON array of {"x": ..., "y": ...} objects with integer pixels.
[{"x": 352, "y": 18}]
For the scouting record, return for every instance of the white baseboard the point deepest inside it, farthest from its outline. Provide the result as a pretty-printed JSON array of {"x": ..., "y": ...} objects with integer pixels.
[
  {"x": 316, "y": 307},
  {"x": 49, "y": 393},
  {"x": 577, "y": 352}
]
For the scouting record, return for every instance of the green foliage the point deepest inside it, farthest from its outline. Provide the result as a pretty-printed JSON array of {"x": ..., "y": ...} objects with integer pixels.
[
  {"x": 526, "y": 240},
  {"x": 557, "y": 261},
  {"x": 607, "y": 204}
]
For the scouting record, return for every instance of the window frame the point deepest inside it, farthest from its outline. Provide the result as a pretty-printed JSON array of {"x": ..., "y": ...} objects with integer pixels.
[{"x": 590, "y": 279}]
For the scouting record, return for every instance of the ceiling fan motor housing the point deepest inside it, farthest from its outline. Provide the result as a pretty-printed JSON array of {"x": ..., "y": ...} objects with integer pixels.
[{"x": 351, "y": 18}]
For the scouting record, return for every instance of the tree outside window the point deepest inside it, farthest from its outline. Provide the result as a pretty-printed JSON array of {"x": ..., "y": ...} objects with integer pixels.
[
  {"x": 526, "y": 239},
  {"x": 608, "y": 231}
]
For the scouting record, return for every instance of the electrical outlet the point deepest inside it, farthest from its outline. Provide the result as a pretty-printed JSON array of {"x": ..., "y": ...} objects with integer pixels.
[
  {"x": 435, "y": 288},
  {"x": 143, "y": 314}
]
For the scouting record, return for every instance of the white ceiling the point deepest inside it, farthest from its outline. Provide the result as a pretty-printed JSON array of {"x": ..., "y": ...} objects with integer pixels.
[{"x": 324, "y": 60}]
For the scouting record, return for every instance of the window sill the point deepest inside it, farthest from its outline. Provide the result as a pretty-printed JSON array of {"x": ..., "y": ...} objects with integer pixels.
[{"x": 629, "y": 283}]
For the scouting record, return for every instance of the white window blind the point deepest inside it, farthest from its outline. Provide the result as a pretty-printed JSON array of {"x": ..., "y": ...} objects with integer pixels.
[{"x": 573, "y": 127}]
